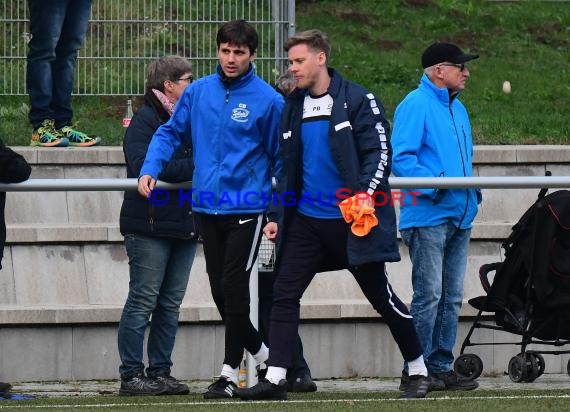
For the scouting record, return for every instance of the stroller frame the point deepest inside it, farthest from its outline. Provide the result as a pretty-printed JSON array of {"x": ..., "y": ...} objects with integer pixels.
[{"x": 528, "y": 364}]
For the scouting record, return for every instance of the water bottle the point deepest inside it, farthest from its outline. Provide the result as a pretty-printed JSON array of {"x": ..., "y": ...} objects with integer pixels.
[
  {"x": 128, "y": 114},
  {"x": 242, "y": 374}
]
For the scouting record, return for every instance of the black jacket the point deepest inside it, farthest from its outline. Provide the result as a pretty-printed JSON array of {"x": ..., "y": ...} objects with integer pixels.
[
  {"x": 358, "y": 138},
  {"x": 13, "y": 169},
  {"x": 138, "y": 215}
]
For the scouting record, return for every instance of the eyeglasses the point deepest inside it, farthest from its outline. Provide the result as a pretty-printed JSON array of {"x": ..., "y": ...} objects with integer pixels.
[
  {"x": 460, "y": 66},
  {"x": 186, "y": 79}
]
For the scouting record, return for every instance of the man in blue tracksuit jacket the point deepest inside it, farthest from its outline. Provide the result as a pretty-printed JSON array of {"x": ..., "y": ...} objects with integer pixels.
[
  {"x": 431, "y": 138},
  {"x": 232, "y": 117}
]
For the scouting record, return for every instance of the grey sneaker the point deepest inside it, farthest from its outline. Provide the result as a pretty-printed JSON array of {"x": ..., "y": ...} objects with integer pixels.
[
  {"x": 454, "y": 382},
  {"x": 140, "y": 385},
  {"x": 173, "y": 385}
]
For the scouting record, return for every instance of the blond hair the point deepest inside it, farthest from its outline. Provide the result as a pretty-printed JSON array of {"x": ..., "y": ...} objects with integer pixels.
[{"x": 315, "y": 39}]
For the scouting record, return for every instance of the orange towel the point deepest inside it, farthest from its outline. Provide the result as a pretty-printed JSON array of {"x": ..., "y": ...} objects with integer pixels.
[{"x": 356, "y": 209}]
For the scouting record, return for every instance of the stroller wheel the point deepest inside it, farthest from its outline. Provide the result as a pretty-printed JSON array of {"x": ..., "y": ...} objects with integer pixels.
[
  {"x": 539, "y": 363},
  {"x": 517, "y": 368},
  {"x": 468, "y": 366},
  {"x": 533, "y": 369}
]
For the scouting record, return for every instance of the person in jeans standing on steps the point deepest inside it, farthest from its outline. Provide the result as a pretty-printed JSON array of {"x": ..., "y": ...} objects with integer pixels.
[
  {"x": 57, "y": 29},
  {"x": 160, "y": 242},
  {"x": 431, "y": 138}
]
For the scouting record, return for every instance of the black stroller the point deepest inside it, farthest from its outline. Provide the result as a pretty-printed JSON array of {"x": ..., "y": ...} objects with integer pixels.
[{"x": 530, "y": 292}]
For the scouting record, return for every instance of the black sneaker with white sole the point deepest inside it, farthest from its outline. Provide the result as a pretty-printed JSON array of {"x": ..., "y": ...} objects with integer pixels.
[
  {"x": 140, "y": 385},
  {"x": 264, "y": 390},
  {"x": 173, "y": 385},
  {"x": 221, "y": 389}
]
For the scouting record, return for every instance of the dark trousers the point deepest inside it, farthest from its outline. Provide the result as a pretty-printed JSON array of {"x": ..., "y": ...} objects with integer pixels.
[
  {"x": 231, "y": 243},
  {"x": 311, "y": 244},
  {"x": 299, "y": 365}
]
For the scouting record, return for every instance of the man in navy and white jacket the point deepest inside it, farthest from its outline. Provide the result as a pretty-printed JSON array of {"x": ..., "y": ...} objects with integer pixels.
[
  {"x": 432, "y": 138},
  {"x": 334, "y": 146}
]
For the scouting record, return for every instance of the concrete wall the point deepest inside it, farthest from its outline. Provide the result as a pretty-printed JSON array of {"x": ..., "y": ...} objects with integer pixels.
[{"x": 65, "y": 278}]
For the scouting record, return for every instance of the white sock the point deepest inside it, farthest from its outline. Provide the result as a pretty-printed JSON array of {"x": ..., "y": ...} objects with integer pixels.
[
  {"x": 417, "y": 367},
  {"x": 275, "y": 374},
  {"x": 262, "y": 354},
  {"x": 230, "y": 373}
]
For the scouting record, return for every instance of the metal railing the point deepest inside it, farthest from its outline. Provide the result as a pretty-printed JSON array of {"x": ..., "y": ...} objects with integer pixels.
[
  {"x": 266, "y": 251},
  {"x": 489, "y": 182},
  {"x": 124, "y": 36},
  {"x": 265, "y": 261}
]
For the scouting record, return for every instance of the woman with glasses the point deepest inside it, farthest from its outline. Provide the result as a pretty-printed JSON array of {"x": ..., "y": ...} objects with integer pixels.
[{"x": 160, "y": 239}]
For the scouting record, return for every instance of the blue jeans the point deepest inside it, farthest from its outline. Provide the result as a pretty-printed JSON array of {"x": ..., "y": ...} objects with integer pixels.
[
  {"x": 439, "y": 259},
  {"x": 58, "y": 28},
  {"x": 159, "y": 271}
]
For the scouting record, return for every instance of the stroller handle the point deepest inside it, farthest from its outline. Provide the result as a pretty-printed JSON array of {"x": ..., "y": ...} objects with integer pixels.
[{"x": 484, "y": 271}]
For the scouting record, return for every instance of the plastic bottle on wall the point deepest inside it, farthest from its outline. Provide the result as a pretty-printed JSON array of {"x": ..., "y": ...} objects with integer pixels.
[
  {"x": 242, "y": 374},
  {"x": 128, "y": 114}
]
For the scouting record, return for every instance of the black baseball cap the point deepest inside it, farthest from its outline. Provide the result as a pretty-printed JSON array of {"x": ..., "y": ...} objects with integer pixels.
[{"x": 445, "y": 52}]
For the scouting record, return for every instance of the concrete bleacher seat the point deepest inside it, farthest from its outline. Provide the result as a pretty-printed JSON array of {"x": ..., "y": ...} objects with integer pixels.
[{"x": 65, "y": 275}]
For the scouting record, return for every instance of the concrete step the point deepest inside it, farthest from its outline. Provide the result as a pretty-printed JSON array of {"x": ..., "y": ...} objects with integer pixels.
[
  {"x": 108, "y": 232},
  {"x": 65, "y": 279},
  {"x": 548, "y": 381}
]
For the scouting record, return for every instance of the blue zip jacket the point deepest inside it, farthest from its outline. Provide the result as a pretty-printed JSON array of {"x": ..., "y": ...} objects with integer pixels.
[
  {"x": 234, "y": 127},
  {"x": 432, "y": 138}
]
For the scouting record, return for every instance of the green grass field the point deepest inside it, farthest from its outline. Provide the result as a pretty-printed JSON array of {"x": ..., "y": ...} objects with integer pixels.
[
  {"x": 474, "y": 401},
  {"x": 378, "y": 43}
]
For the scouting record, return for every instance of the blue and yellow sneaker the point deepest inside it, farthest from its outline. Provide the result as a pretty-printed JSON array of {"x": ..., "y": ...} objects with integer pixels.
[
  {"x": 77, "y": 138},
  {"x": 47, "y": 136}
]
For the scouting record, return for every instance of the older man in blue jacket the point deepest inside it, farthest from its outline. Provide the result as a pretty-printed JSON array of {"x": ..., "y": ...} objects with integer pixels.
[{"x": 432, "y": 137}]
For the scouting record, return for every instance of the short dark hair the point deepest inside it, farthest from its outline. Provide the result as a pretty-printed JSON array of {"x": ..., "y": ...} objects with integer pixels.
[
  {"x": 166, "y": 68},
  {"x": 238, "y": 33},
  {"x": 315, "y": 39}
]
